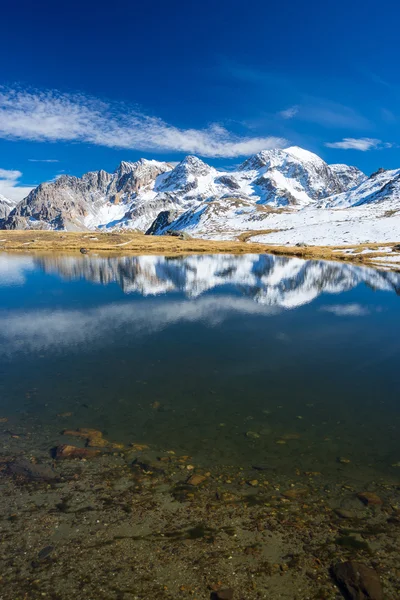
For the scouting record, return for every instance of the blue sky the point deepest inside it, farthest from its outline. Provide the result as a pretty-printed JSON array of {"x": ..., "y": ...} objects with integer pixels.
[{"x": 86, "y": 85}]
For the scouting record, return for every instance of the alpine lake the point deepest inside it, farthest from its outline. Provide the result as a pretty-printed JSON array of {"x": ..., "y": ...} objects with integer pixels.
[{"x": 211, "y": 426}]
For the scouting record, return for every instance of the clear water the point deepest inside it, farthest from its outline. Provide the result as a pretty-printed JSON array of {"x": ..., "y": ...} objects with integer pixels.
[{"x": 218, "y": 357}]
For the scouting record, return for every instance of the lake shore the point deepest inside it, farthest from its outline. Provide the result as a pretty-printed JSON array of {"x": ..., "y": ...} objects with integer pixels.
[{"x": 382, "y": 255}]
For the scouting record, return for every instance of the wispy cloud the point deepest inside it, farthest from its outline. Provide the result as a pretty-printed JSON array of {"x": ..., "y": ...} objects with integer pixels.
[
  {"x": 362, "y": 144},
  {"x": 57, "y": 329},
  {"x": 52, "y": 116},
  {"x": 289, "y": 113},
  {"x": 331, "y": 114},
  {"x": 44, "y": 160},
  {"x": 307, "y": 106},
  {"x": 10, "y": 187},
  {"x": 388, "y": 116},
  {"x": 346, "y": 310}
]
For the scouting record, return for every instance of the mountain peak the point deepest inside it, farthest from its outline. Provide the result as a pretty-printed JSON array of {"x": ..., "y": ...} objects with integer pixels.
[{"x": 302, "y": 154}]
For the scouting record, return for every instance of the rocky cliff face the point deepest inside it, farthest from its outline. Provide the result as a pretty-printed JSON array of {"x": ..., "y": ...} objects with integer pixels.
[
  {"x": 136, "y": 193},
  {"x": 379, "y": 187},
  {"x": 94, "y": 200},
  {"x": 349, "y": 176},
  {"x": 6, "y": 206}
]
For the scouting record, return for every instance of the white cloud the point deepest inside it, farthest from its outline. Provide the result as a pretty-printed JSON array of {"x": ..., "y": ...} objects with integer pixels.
[
  {"x": 39, "y": 330},
  {"x": 346, "y": 310},
  {"x": 362, "y": 144},
  {"x": 9, "y": 185},
  {"x": 44, "y": 160},
  {"x": 52, "y": 116},
  {"x": 289, "y": 113}
]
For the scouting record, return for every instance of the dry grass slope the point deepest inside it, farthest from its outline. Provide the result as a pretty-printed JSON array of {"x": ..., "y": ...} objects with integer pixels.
[{"x": 134, "y": 243}]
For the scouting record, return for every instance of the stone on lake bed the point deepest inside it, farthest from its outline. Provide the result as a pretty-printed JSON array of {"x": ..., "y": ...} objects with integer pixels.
[
  {"x": 291, "y": 436},
  {"x": 295, "y": 493},
  {"x": 225, "y": 594},
  {"x": 345, "y": 514},
  {"x": 34, "y": 472},
  {"x": 45, "y": 552},
  {"x": 253, "y": 435},
  {"x": 358, "y": 581},
  {"x": 196, "y": 480},
  {"x": 369, "y": 498},
  {"x": 67, "y": 451}
]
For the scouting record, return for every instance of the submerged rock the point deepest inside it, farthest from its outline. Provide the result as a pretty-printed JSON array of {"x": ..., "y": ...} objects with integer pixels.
[
  {"x": 30, "y": 471},
  {"x": 295, "y": 493},
  {"x": 225, "y": 594},
  {"x": 345, "y": 514},
  {"x": 67, "y": 451},
  {"x": 357, "y": 581},
  {"x": 196, "y": 480},
  {"x": 369, "y": 498}
]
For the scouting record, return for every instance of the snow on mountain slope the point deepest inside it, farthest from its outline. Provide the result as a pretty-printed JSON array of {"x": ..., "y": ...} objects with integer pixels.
[
  {"x": 292, "y": 194},
  {"x": 96, "y": 199},
  {"x": 135, "y": 194},
  {"x": 315, "y": 226},
  {"x": 6, "y": 206},
  {"x": 349, "y": 176},
  {"x": 379, "y": 187},
  {"x": 290, "y": 177}
]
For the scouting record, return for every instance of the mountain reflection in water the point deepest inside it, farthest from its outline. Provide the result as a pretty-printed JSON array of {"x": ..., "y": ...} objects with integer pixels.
[
  {"x": 224, "y": 344},
  {"x": 267, "y": 279}
]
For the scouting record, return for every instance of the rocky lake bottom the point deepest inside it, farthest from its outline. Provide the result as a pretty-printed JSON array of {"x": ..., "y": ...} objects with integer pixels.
[{"x": 202, "y": 427}]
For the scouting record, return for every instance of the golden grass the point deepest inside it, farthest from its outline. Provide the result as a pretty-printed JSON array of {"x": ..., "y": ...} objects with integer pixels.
[
  {"x": 135, "y": 243},
  {"x": 117, "y": 243}
]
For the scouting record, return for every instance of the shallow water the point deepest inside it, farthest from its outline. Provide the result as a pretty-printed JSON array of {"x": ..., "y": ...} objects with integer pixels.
[{"x": 234, "y": 360}]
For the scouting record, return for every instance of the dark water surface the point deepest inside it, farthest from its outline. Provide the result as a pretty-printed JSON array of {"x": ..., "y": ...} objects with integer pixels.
[{"x": 238, "y": 360}]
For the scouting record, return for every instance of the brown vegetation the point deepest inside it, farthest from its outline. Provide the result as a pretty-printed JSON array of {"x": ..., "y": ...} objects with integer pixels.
[{"x": 135, "y": 243}]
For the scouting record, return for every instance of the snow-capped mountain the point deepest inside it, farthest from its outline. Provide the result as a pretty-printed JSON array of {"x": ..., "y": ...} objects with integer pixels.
[
  {"x": 97, "y": 199},
  {"x": 349, "y": 176},
  {"x": 269, "y": 280},
  {"x": 379, "y": 187},
  {"x": 6, "y": 206},
  {"x": 136, "y": 193},
  {"x": 287, "y": 196}
]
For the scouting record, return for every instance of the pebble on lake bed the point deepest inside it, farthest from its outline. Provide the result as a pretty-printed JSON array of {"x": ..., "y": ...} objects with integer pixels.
[
  {"x": 295, "y": 493},
  {"x": 369, "y": 498},
  {"x": 252, "y": 435},
  {"x": 225, "y": 594},
  {"x": 196, "y": 480},
  {"x": 67, "y": 451}
]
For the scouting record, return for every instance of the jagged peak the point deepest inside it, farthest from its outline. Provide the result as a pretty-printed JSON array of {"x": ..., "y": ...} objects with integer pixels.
[
  {"x": 192, "y": 163},
  {"x": 143, "y": 164},
  {"x": 264, "y": 157},
  {"x": 344, "y": 167},
  {"x": 126, "y": 167}
]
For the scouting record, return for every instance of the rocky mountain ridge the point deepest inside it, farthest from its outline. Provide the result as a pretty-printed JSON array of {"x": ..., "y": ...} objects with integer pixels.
[
  {"x": 6, "y": 206},
  {"x": 273, "y": 190},
  {"x": 136, "y": 193}
]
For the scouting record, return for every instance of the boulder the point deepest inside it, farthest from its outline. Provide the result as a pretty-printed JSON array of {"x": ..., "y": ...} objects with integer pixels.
[{"x": 357, "y": 581}]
